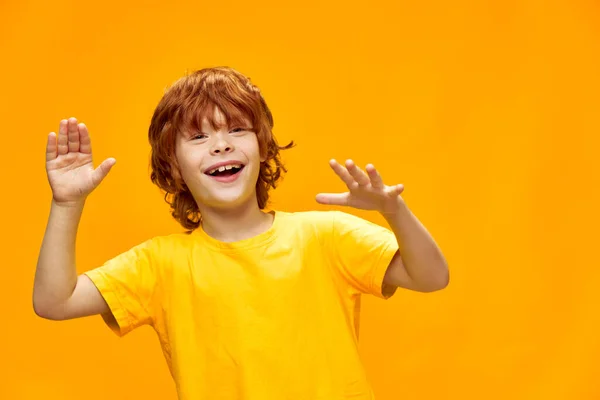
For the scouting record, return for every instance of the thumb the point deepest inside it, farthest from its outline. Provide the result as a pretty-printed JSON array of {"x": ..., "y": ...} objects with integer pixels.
[
  {"x": 340, "y": 199},
  {"x": 103, "y": 169}
]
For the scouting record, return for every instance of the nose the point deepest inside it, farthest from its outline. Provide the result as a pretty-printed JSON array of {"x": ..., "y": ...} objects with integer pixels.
[{"x": 221, "y": 145}]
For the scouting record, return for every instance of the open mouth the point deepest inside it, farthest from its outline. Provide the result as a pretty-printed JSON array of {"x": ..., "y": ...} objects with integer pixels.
[{"x": 225, "y": 171}]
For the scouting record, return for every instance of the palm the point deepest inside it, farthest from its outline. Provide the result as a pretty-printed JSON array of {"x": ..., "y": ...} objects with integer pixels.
[
  {"x": 364, "y": 200},
  {"x": 365, "y": 190},
  {"x": 69, "y": 163}
]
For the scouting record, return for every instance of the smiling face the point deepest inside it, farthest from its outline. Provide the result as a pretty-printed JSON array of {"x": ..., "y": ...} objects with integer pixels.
[{"x": 220, "y": 162}]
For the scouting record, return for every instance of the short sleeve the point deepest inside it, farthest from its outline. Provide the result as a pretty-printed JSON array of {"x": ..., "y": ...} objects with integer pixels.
[
  {"x": 128, "y": 282},
  {"x": 362, "y": 252}
]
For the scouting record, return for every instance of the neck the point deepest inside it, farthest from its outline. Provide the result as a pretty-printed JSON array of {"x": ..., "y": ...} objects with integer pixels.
[{"x": 231, "y": 225}]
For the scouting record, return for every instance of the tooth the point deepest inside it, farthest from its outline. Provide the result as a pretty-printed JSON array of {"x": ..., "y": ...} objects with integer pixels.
[
  {"x": 228, "y": 167},
  {"x": 221, "y": 169}
]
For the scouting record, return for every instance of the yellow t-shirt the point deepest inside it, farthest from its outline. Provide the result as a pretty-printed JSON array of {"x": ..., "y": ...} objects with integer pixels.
[{"x": 274, "y": 316}]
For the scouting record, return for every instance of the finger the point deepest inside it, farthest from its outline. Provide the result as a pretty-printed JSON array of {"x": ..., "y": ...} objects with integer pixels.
[
  {"x": 398, "y": 189},
  {"x": 63, "y": 140},
  {"x": 339, "y": 199},
  {"x": 51, "y": 147},
  {"x": 85, "y": 143},
  {"x": 343, "y": 173},
  {"x": 357, "y": 173},
  {"x": 374, "y": 176},
  {"x": 103, "y": 169},
  {"x": 73, "y": 135}
]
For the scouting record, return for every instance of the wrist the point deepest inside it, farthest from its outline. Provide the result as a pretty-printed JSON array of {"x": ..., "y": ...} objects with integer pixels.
[
  {"x": 395, "y": 208},
  {"x": 68, "y": 205}
]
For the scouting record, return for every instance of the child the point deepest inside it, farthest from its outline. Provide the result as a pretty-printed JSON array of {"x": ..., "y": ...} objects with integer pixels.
[{"x": 247, "y": 304}]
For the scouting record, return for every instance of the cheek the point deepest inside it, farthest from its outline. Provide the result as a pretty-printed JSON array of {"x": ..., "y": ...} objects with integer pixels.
[
  {"x": 251, "y": 148},
  {"x": 188, "y": 167}
]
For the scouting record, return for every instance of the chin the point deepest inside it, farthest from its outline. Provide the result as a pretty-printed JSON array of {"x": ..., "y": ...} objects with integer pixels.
[{"x": 225, "y": 200}]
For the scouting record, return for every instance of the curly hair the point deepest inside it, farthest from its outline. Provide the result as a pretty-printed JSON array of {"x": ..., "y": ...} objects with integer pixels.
[{"x": 183, "y": 107}]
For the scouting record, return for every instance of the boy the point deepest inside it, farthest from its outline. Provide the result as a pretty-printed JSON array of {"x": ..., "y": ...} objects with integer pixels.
[{"x": 247, "y": 304}]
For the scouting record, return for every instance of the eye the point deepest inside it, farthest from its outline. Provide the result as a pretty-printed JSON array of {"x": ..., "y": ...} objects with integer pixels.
[
  {"x": 199, "y": 136},
  {"x": 239, "y": 130}
]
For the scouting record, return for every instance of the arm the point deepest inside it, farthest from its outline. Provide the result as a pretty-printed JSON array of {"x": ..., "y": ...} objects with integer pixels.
[
  {"x": 58, "y": 292},
  {"x": 422, "y": 266},
  {"x": 418, "y": 264}
]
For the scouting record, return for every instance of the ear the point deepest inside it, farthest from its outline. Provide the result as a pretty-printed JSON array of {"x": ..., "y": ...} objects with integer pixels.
[
  {"x": 263, "y": 154},
  {"x": 175, "y": 173}
]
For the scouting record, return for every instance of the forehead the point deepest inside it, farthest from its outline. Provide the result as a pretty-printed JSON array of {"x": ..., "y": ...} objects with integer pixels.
[
  {"x": 219, "y": 116},
  {"x": 214, "y": 117},
  {"x": 210, "y": 116}
]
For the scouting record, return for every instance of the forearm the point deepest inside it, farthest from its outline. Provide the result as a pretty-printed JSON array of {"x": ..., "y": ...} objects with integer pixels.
[
  {"x": 56, "y": 274},
  {"x": 421, "y": 256}
]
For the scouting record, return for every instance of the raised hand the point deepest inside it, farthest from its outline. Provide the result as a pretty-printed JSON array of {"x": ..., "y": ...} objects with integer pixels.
[
  {"x": 366, "y": 190},
  {"x": 69, "y": 164}
]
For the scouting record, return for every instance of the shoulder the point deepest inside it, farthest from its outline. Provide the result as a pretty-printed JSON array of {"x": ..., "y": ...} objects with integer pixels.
[
  {"x": 165, "y": 246},
  {"x": 318, "y": 219},
  {"x": 325, "y": 217},
  {"x": 322, "y": 223}
]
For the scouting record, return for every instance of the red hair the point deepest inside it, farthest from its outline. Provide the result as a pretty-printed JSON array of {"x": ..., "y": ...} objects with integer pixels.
[{"x": 183, "y": 107}]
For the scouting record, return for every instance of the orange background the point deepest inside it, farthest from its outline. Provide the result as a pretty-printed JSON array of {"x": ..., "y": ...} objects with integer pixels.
[{"x": 488, "y": 112}]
